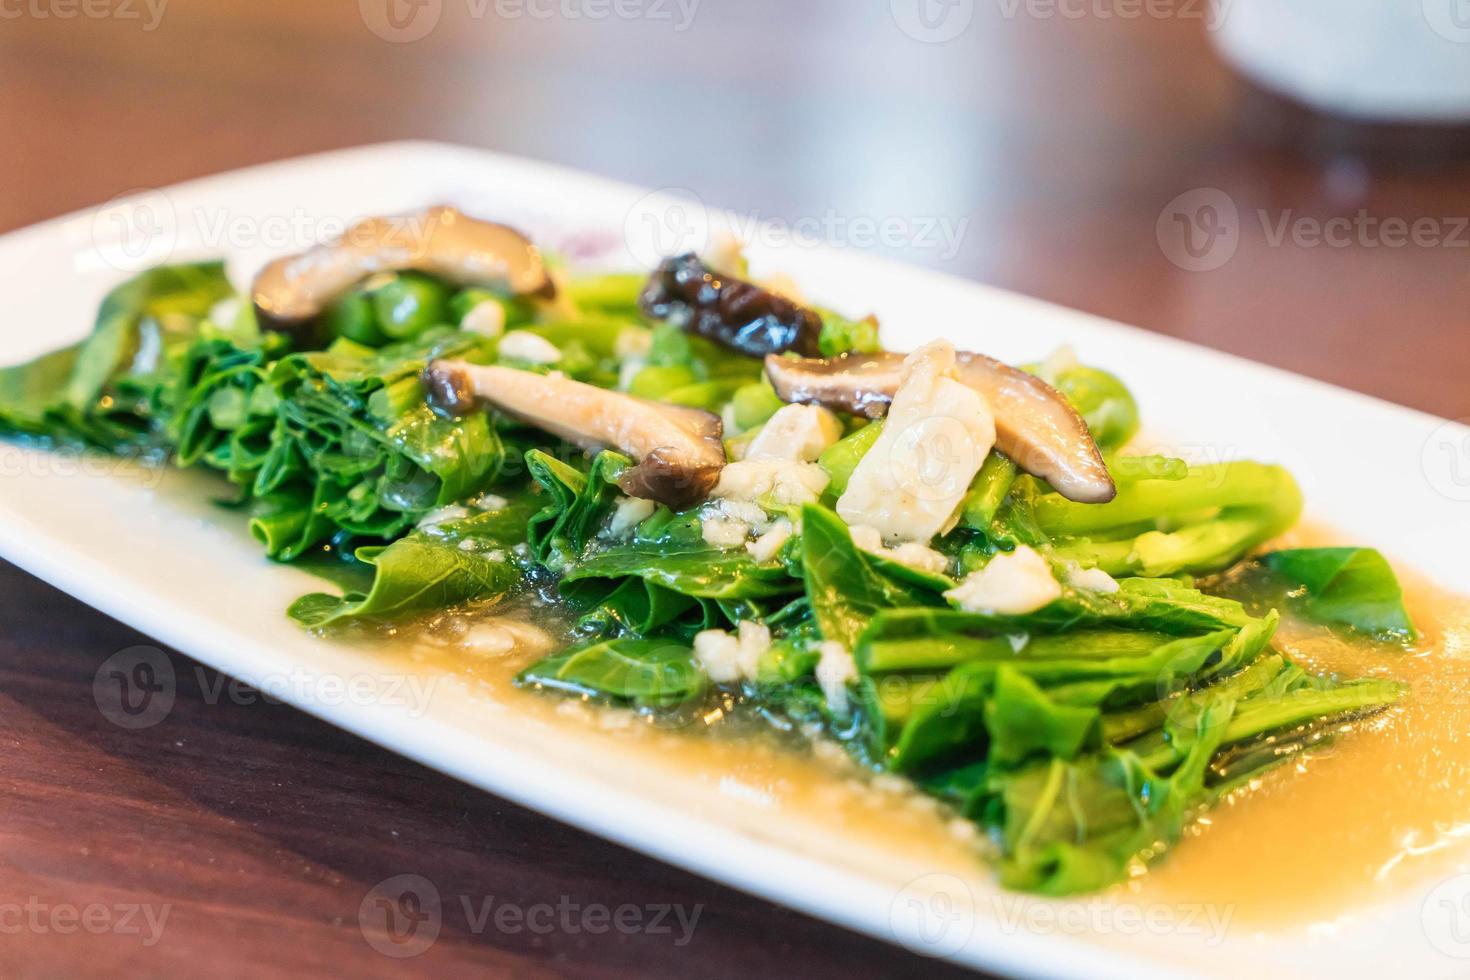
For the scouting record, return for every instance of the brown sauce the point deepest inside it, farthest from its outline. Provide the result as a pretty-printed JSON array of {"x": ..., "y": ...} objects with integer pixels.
[
  {"x": 788, "y": 790},
  {"x": 1383, "y": 807}
]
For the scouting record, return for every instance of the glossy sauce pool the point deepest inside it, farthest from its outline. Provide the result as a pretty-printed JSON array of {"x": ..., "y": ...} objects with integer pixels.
[
  {"x": 1384, "y": 807},
  {"x": 805, "y": 795},
  {"x": 1378, "y": 810}
]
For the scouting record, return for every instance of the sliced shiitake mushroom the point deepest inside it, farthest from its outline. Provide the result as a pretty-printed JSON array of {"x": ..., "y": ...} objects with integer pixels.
[
  {"x": 1035, "y": 425},
  {"x": 736, "y": 314},
  {"x": 290, "y": 293},
  {"x": 678, "y": 450}
]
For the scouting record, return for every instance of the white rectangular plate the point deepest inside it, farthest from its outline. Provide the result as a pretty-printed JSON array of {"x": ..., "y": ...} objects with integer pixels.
[{"x": 149, "y": 550}]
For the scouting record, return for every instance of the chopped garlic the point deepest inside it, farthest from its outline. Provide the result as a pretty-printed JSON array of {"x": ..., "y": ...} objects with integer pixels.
[
  {"x": 502, "y": 637},
  {"x": 489, "y": 501},
  {"x": 450, "y": 512},
  {"x": 726, "y": 255},
  {"x": 741, "y": 510},
  {"x": 866, "y": 537},
  {"x": 224, "y": 312},
  {"x": 720, "y": 532},
  {"x": 963, "y": 830},
  {"x": 486, "y": 318},
  {"x": 797, "y": 432},
  {"x": 719, "y": 654},
  {"x": 782, "y": 482},
  {"x": 912, "y": 553},
  {"x": 631, "y": 349},
  {"x": 522, "y": 345},
  {"x": 1091, "y": 579},
  {"x": 827, "y": 752},
  {"x": 477, "y": 547},
  {"x": 938, "y": 432},
  {"x": 613, "y": 720},
  {"x": 628, "y": 371},
  {"x": 578, "y": 710},
  {"x": 887, "y": 782},
  {"x": 628, "y": 513},
  {"x": 835, "y": 670},
  {"x": 631, "y": 343},
  {"x": 727, "y": 658},
  {"x": 920, "y": 557},
  {"x": 1011, "y": 585},
  {"x": 755, "y": 640},
  {"x": 765, "y": 547},
  {"x": 489, "y": 641}
]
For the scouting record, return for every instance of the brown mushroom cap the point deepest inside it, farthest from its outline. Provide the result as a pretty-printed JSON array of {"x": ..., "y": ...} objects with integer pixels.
[
  {"x": 440, "y": 241},
  {"x": 1035, "y": 425},
  {"x": 678, "y": 450}
]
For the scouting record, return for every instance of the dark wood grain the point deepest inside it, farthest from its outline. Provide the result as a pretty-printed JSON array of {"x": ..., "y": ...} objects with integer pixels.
[
  {"x": 1061, "y": 142},
  {"x": 261, "y": 832}
]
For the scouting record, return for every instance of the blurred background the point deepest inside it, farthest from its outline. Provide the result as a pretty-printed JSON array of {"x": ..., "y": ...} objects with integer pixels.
[
  {"x": 1055, "y": 133},
  {"x": 1311, "y": 211}
]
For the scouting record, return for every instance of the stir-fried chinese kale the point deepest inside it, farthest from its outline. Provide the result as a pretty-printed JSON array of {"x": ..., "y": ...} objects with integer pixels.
[{"x": 1050, "y": 668}]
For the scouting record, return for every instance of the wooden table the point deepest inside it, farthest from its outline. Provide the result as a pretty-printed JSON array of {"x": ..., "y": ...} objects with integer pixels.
[{"x": 1060, "y": 142}]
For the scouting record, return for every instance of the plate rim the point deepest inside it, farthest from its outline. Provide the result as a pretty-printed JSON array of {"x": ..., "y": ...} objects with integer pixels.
[{"x": 192, "y": 634}]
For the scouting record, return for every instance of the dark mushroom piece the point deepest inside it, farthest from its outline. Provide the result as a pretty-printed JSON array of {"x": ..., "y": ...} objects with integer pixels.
[
  {"x": 291, "y": 293},
  {"x": 731, "y": 312},
  {"x": 678, "y": 450},
  {"x": 1035, "y": 425}
]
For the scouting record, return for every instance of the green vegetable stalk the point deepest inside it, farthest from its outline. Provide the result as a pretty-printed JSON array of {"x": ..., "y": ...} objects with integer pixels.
[{"x": 1082, "y": 734}]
